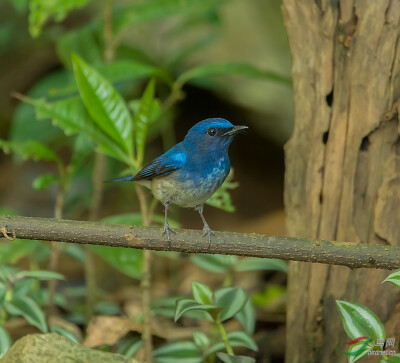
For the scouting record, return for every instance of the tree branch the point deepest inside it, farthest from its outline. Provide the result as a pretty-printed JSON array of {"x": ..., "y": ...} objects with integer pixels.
[{"x": 353, "y": 255}]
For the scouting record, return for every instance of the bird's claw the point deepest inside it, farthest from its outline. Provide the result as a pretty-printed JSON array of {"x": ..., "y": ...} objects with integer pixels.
[
  {"x": 167, "y": 229},
  {"x": 208, "y": 231}
]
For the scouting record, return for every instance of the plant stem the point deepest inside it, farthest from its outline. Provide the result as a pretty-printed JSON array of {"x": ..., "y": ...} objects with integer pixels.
[
  {"x": 146, "y": 280},
  {"x": 90, "y": 265},
  {"x": 55, "y": 247},
  {"x": 224, "y": 336}
]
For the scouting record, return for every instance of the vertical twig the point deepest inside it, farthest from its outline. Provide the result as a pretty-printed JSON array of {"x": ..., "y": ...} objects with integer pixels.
[
  {"x": 55, "y": 247},
  {"x": 90, "y": 265},
  {"x": 146, "y": 280}
]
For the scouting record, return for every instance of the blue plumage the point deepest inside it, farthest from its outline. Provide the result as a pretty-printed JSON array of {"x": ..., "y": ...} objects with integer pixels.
[{"x": 190, "y": 172}]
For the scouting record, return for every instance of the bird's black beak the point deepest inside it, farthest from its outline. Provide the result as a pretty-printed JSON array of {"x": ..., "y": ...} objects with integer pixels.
[{"x": 235, "y": 130}]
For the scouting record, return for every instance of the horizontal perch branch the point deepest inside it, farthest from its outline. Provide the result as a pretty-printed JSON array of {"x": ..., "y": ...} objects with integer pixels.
[{"x": 353, "y": 255}]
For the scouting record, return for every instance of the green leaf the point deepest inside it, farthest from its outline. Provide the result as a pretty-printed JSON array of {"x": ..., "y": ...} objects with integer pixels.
[
  {"x": 184, "y": 351},
  {"x": 231, "y": 299},
  {"x": 129, "y": 346},
  {"x": 358, "y": 350},
  {"x": 104, "y": 104},
  {"x": 84, "y": 41},
  {"x": 202, "y": 293},
  {"x": 5, "y": 341},
  {"x": 39, "y": 275},
  {"x": 71, "y": 116},
  {"x": 22, "y": 288},
  {"x": 254, "y": 264},
  {"x": 7, "y": 273},
  {"x": 236, "y": 339},
  {"x": 394, "y": 278},
  {"x": 145, "y": 11},
  {"x": 27, "y": 308},
  {"x": 359, "y": 321},
  {"x": 201, "y": 340},
  {"x": 142, "y": 119},
  {"x": 65, "y": 333},
  {"x": 231, "y": 69},
  {"x": 184, "y": 305},
  {"x": 222, "y": 198},
  {"x": 393, "y": 359},
  {"x": 44, "y": 180},
  {"x": 30, "y": 150},
  {"x": 226, "y": 358},
  {"x": 130, "y": 219},
  {"x": 107, "y": 308},
  {"x": 128, "y": 261},
  {"x": 215, "y": 263},
  {"x": 11, "y": 252},
  {"x": 247, "y": 317},
  {"x": 43, "y": 10}
]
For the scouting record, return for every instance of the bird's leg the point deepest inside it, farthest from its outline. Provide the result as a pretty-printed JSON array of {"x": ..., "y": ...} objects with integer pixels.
[
  {"x": 167, "y": 228},
  {"x": 206, "y": 228}
]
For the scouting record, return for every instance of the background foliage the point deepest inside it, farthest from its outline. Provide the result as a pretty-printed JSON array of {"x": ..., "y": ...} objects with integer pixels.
[{"x": 127, "y": 80}]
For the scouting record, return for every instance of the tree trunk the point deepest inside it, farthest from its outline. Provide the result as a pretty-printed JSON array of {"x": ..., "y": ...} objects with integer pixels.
[{"x": 342, "y": 163}]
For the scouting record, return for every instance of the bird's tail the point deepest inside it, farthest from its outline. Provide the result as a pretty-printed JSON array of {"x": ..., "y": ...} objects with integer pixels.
[{"x": 125, "y": 178}]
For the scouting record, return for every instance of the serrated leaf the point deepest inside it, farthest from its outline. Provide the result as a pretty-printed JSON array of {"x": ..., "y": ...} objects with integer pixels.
[
  {"x": 43, "y": 10},
  {"x": 104, "y": 104},
  {"x": 247, "y": 317},
  {"x": 30, "y": 150},
  {"x": 214, "y": 263},
  {"x": 231, "y": 299},
  {"x": 202, "y": 293},
  {"x": 359, "y": 321},
  {"x": 5, "y": 341},
  {"x": 44, "y": 180},
  {"x": 255, "y": 264},
  {"x": 394, "y": 278},
  {"x": 241, "y": 69},
  {"x": 226, "y": 358},
  {"x": 27, "y": 308},
  {"x": 142, "y": 120},
  {"x": 236, "y": 339},
  {"x": 185, "y": 305},
  {"x": 201, "y": 339},
  {"x": 71, "y": 116},
  {"x": 39, "y": 275},
  {"x": 184, "y": 351}
]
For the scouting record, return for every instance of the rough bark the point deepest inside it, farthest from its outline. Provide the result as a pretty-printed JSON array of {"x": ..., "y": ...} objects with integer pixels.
[{"x": 342, "y": 162}]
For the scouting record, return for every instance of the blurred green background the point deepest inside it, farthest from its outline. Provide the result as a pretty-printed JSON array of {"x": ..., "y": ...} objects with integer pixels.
[{"x": 208, "y": 58}]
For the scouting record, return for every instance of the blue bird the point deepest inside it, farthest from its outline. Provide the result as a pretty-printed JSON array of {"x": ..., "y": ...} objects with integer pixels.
[{"x": 191, "y": 171}]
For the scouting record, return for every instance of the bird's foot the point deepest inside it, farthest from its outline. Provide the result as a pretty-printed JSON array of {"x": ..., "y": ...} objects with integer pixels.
[
  {"x": 208, "y": 232},
  {"x": 167, "y": 229}
]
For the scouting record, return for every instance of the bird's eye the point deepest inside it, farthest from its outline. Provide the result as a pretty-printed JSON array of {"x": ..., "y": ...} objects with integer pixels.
[{"x": 212, "y": 131}]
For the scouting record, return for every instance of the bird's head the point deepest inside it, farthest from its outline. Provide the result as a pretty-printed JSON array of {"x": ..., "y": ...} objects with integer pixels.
[{"x": 213, "y": 135}]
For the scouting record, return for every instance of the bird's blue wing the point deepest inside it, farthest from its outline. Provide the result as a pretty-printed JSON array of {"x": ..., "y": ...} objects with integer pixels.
[{"x": 172, "y": 160}]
